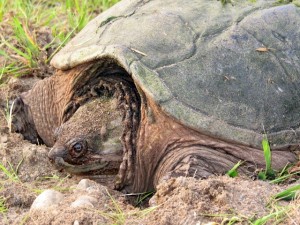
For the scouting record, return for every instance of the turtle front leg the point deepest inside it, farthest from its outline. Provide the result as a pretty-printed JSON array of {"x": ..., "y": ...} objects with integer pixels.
[
  {"x": 22, "y": 121},
  {"x": 166, "y": 148},
  {"x": 195, "y": 160}
]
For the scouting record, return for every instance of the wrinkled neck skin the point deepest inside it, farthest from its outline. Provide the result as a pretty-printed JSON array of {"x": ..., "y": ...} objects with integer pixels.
[
  {"x": 165, "y": 148},
  {"x": 45, "y": 101},
  {"x": 52, "y": 101}
]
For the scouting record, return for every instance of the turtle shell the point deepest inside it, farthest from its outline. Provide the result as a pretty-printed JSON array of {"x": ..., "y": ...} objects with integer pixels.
[{"x": 230, "y": 71}]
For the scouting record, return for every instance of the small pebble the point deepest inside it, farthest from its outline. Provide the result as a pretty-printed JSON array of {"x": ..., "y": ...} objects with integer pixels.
[
  {"x": 76, "y": 222},
  {"x": 84, "y": 201},
  {"x": 85, "y": 184},
  {"x": 3, "y": 138},
  {"x": 46, "y": 199},
  {"x": 90, "y": 187}
]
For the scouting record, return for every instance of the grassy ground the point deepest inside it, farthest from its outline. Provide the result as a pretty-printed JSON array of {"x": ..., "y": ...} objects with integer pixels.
[{"x": 32, "y": 31}]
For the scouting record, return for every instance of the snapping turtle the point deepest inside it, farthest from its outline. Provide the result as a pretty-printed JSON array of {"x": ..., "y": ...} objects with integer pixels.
[{"x": 197, "y": 85}]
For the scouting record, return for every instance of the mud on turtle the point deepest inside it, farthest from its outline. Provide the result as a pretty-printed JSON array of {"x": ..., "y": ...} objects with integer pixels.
[{"x": 187, "y": 86}]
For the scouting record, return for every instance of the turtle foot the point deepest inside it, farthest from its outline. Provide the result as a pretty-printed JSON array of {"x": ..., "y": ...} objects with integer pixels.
[{"x": 22, "y": 121}]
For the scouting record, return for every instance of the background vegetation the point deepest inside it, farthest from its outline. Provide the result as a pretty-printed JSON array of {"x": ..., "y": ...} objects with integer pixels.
[{"x": 32, "y": 31}]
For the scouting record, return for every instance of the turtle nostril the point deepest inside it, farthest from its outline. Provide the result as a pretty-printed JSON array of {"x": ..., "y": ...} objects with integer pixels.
[
  {"x": 55, "y": 153},
  {"x": 51, "y": 160}
]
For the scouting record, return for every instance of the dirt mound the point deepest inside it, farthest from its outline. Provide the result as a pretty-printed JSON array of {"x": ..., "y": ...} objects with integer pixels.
[{"x": 190, "y": 201}]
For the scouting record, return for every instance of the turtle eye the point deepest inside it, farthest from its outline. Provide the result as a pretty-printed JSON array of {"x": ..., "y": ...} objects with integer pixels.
[{"x": 78, "y": 148}]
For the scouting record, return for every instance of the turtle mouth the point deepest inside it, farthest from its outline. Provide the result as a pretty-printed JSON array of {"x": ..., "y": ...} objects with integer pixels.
[{"x": 80, "y": 169}]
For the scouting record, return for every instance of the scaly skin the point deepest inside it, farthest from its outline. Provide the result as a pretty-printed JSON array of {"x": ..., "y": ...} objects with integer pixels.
[
  {"x": 84, "y": 145},
  {"x": 43, "y": 107}
]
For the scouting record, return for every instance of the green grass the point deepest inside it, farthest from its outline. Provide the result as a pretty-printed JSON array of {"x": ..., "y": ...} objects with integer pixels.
[
  {"x": 268, "y": 173},
  {"x": 3, "y": 208},
  {"x": 11, "y": 173},
  {"x": 284, "y": 2},
  {"x": 7, "y": 114},
  {"x": 227, "y": 219},
  {"x": 143, "y": 197},
  {"x": 288, "y": 194},
  {"x": 233, "y": 171},
  {"x": 25, "y": 21},
  {"x": 24, "y": 54},
  {"x": 277, "y": 213},
  {"x": 284, "y": 175},
  {"x": 58, "y": 184},
  {"x": 276, "y": 217},
  {"x": 2, "y": 8},
  {"x": 118, "y": 216},
  {"x": 2, "y": 71}
]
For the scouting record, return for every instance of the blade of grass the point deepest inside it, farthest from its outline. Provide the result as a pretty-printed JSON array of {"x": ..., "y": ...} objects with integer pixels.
[
  {"x": 265, "y": 219},
  {"x": 269, "y": 173},
  {"x": 24, "y": 7},
  {"x": 2, "y": 71},
  {"x": 10, "y": 174},
  {"x": 26, "y": 41},
  {"x": 233, "y": 171},
  {"x": 14, "y": 171},
  {"x": 3, "y": 208},
  {"x": 3, "y": 4},
  {"x": 24, "y": 219},
  {"x": 267, "y": 154},
  {"x": 17, "y": 51},
  {"x": 282, "y": 178},
  {"x": 288, "y": 194},
  {"x": 118, "y": 216},
  {"x": 61, "y": 45},
  {"x": 142, "y": 197},
  {"x": 107, "y": 3},
  {"x": 8, "y": 115}
]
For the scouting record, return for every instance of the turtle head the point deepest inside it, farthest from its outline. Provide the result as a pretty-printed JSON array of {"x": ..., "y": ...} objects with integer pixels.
[{"x": 90, "y": 141}]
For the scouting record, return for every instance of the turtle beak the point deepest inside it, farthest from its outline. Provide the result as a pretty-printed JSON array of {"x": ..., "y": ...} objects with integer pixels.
[{"x": 56, "y": 152}]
